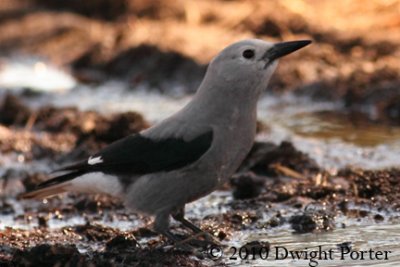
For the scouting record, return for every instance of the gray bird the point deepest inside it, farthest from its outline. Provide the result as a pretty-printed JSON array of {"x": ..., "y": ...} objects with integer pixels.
[{"x": 187, "y": 155}]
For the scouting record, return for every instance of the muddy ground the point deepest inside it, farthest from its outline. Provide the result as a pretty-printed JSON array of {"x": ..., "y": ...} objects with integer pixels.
[
  {"x": 354, "y": 59},
  {"x": 271, "y": 176}
]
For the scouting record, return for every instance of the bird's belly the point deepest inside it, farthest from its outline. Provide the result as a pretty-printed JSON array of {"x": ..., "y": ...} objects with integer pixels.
[
  {"x": 169, "y": 190},
  {"x": 233, "y": 155}
]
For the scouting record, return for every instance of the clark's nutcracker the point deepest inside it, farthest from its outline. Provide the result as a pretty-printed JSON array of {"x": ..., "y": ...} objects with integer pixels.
[{"x": 187, "y": 155}]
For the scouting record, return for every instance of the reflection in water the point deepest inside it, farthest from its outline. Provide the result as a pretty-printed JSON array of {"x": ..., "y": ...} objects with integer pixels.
[
  {"x": 362, "y": 235},
  {"x": 333, "y": 138},
  {"x": 384, "y": 238},
  {"x": 353, "y": 128}
]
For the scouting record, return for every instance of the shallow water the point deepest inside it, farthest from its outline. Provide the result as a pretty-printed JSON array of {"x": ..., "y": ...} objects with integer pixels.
[
  {"x": 332, "y": 138},
  {"x": 382, "y": 237},
  {"x": 362, "y": 235}
]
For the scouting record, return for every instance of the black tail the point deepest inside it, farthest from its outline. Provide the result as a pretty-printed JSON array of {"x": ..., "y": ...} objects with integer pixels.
[
  {"x": 53, "y": 186},
  {"x": 60, "y": 179}
]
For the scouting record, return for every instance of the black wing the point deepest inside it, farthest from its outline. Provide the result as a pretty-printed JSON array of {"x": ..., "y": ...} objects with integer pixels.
[{"x": 140, "y": 155}]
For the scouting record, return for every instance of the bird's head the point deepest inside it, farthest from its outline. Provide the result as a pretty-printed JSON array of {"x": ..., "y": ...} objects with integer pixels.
[{"x": 251, "y": 63}]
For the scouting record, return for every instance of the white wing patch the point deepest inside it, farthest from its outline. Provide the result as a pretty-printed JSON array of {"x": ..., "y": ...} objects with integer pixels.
[{"x": 94, "y": 161}]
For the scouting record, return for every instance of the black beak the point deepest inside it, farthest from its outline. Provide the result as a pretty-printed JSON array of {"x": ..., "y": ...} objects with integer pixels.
[{"x": 284, "y": 48}]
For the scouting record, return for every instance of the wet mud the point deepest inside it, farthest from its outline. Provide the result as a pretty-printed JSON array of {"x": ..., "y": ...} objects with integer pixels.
[{"x": 272, "y": 176}]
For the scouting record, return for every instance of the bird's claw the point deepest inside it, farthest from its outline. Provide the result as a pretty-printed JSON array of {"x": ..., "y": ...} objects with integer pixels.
[{"x": 209, "y": 240}]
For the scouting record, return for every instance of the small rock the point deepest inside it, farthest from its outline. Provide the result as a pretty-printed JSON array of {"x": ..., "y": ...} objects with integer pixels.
[
  {"x": 13, "y": 111},
  {"x": 95, "y": 232},
  {"x": 121, "y": 242},
  {"x": 378, "y": 218},
  {"x": 310, "y": 221},
  {"x": 344, "y": 245},
  {"x": 42, "y": 221},
  {"x": 247, "y": 185}
]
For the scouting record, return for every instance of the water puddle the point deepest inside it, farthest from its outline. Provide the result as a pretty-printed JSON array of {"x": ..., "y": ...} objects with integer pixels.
[
  {"x": 333, "y": 138},
  {"x": 362, "y": 235},
  {"x": 381, "y": 240},
  {"x": 348, "y": 128}
]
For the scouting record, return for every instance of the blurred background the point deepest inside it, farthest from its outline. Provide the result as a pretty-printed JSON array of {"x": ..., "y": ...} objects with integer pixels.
[
  {"x": 77, "y": 75},
  {"x": 355, "y": 51}
]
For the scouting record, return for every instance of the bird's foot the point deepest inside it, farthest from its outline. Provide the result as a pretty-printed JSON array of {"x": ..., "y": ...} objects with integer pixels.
[
  {"x": 194, "y": 240},
  {"x": 210, "y": 238},
  {"x": 177, "y": 243},
  {"x": 184, "y": 247}
]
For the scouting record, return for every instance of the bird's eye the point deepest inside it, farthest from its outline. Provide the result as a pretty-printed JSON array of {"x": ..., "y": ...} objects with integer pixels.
[{"x": 248, "y": 53}]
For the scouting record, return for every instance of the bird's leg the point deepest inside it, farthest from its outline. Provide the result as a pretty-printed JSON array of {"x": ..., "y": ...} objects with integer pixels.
[
  {"x": 179, "y": 216},
  {"x": 161, "y": 225}
]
